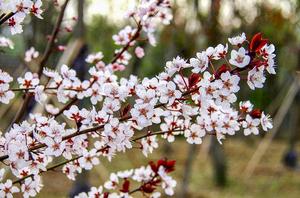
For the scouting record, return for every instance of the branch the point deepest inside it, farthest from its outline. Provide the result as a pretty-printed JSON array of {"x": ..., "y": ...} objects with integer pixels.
[
  {"x": 85, "y": 131},
  {"x": 6, "y": 17},
  {"x": 134, "y": 37},
  {"x": 117, "y": 56},
  {"x": 57, "y": 165},
  {"x": 53, "y": 37},
  {"x": 46, "y": 55},
  {"x": 101, "y": 150}
]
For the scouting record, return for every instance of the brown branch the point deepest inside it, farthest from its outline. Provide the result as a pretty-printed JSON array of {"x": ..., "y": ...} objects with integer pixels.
[
  {"x": 6, "y": 17},
  {"x": 46, "y": 56},
  {"x": 53, "y": 37},
  {"x": 72, "y": 102},
  {"x": 134, "y": 37},
  {"x": 48, "y": 169},
  {"x": 2, "y": 15}
]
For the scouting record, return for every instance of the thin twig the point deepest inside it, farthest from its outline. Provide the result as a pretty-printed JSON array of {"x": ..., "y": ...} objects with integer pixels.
[
  {"x": 116, "y": 57},
  {"x": 46, "y": 55},
  {"x": 53, "y": 37},
  {"x": 77, "y": 157},
  {"x": 53, "y": 167}
]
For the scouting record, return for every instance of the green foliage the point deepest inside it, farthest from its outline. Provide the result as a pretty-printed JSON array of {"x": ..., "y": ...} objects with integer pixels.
[{"x": 99, "y": 36}]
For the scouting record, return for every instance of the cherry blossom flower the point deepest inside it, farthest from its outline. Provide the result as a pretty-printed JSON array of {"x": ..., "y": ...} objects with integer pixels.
[
  {"x": 30, "y": 80},
  {"x": 54, "y": 147},
  {"x": 210, "y": 52},
  {"x": 5, "y": 94},
  {"x": 142, "y": 174},
  {"x": 268, "y": 54},
  {"x": 124, "y": 35},
  {"x": 200, "y": 63},
  {"x": 171, "y": 123},
  {"x": 51, "y": 109},
  {"x": 39, "y": 94},
  {"x": 36, "y": 9},
  {"x": 124, "y": 57},
  {"x": 31, "y": 54},
  {"x": 5, "y": 42},
  {"x": 168, "y": 183},
  {"x": 68, "y": 73},
  {"x": 143, "y": 113},
  {"x": 111, "y": 105},
  {"x": 194, "y": 134},
  {"x": 168, "y": 93},
  {"x": 113, "y": 182},
  {"x": 149, "y": 144},
  {"x": 230, "y": 83},
  {"x": 176, "y": 65},
  {"x": 7, "y": 189},
  {"x": 239, "y": 58},
  {"x": 266, "y": 122},
  {"x": 250, "y": 125},
  {"x": 95, "y": 192},
  {"x": 28, "y": 188},
  {"x": 246, "y": 106},
  {"x": 139, "y": 52},
  {"x": 70, "y": 171},
  {"x": 220, "y": 51},
  {"x": 15, "y": 24},
  {"x": 256, "y": 78},
  {"x": 94, "y": 58},
  {"x": 237, "y": 40},
  {"x": 75, "y": 114},
  {"x": 5, "y": 78},
  {"x": 21, "y": 8},
  {"x": 89, "y": 159}
]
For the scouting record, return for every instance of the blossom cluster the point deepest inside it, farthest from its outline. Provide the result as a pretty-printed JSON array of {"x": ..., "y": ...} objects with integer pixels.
[
  {"x": 5, "y": 94},
  {"x": 192, "y": 98},
  {"x": 149, "y": 179},
  {"x": 30, "y": 187},
  {"x": 19, "y": 9},
  {"x": 191, "y": 104}
]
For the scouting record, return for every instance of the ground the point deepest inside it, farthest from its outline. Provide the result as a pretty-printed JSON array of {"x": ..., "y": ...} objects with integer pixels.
[{"x": 270, "y": 178}]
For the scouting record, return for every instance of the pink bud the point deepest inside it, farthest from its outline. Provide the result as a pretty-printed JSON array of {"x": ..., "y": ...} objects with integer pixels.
[
  {"x": 139, "y": 52},
  {"x": 61, "y": 48}
]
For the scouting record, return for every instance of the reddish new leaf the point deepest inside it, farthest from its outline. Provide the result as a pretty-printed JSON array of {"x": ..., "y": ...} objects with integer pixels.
[
  {"x": 194, "y": 79},
  {"x": 257, "y": 42},
  {"x": 255, "y": 113}
]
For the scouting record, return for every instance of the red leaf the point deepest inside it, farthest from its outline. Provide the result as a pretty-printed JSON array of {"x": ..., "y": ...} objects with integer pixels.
[
  {"x": 224, "y": 68},
  {"x": 106, "y": 194},
  {"x": 194, "y": 79},
  {"x": 255, "y": 113},
  {"x": 126, "y": 110},
  {"x": 153, "y": 166},
  {"x": 125, "y": 186},
  {"x": 257, "y": 42},
  {"x": 147, "y": 188},
  {"x": 168, "y": 165}
]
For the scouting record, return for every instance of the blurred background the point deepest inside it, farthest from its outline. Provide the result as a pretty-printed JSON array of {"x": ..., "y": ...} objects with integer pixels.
[{"x": 262, "y": 166}]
